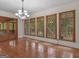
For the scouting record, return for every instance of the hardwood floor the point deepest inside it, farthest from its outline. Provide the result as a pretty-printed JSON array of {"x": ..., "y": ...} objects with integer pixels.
[{"x": 28, "y": 48}]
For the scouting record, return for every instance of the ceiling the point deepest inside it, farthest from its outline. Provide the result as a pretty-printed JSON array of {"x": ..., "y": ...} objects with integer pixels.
[{"x": 32, "y": 6}]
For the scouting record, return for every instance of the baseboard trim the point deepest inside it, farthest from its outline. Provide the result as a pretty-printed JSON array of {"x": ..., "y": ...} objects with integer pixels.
[{"x": 54, "y": 41}]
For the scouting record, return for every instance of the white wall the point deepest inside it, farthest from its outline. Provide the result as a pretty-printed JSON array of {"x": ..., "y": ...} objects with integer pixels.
[
  {"x": 6, "y": 14},
  {"x": 68, "y": 7},
  {"x": 20, "y": 28}
]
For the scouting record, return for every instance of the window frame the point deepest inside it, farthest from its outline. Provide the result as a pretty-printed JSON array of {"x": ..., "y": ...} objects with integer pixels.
[
  {"x": 73, "y": 21},
  {"x": 37, "y": 26},
  {"x": 32, "y": 20},
  {"x": 26, "y": 21},
  {"x": 47, "y": 26}
]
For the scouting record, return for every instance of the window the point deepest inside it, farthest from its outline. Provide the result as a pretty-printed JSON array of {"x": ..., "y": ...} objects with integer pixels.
[
  {"x": 32, "y": 26},
  {"x": 40, "y": 26},
  {"x": 51, "y": 26},
  {"x": 27, "y": 27},
  {"x": 67, "y": 26},
  {"x": 3, "y": 26},
  {"x": 12, "y": 26}
]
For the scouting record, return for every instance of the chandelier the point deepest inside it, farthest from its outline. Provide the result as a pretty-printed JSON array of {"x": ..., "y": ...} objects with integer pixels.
[{"x": 22, "y": 14}]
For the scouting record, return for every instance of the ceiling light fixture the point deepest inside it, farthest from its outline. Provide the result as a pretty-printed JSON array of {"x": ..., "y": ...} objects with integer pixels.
[{"x": 22, "y": 14}]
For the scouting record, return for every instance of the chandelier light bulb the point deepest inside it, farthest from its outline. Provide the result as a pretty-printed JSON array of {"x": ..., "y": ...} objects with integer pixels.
[
  {"x": 25, "y": 11},
  {"x": 28, "y": 15},
  {"x": 16, "y": 14},
  {"x": 20, "y": 12}
]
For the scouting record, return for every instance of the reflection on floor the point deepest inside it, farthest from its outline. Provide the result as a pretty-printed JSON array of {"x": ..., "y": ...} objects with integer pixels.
[{"x": 29, "y": 48}]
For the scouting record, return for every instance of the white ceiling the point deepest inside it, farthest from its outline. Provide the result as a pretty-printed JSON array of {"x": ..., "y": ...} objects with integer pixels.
[{"x": 32, "y": 6}]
